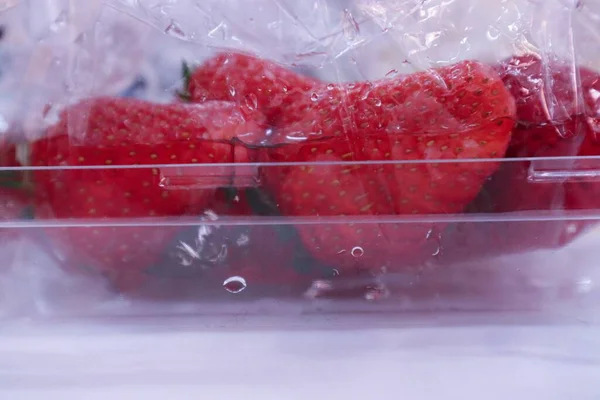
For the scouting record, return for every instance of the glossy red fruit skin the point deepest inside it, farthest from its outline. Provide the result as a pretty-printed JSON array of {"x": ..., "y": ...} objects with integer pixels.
[
  {"x": 549, "y": 89},
  {"x": 559, "y": 116},
  {"x": 347, "y": 188},
  {"x": 111, "y": 177},
  {"x": 253, "y": 82}
]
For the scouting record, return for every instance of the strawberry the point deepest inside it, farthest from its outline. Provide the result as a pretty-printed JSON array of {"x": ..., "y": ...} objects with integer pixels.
[
  {"x": 117, "y": 137},
  {"x": 264, "y": 256},
  {"x": 559, "y": 116},
  {"x": 550, "y": 90},
  {"x": 344, "y": 138},
  {"x": 250, "y": 81}
]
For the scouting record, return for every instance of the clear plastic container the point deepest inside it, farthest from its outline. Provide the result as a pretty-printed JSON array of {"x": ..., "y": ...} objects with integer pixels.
[{"x": 362, "y": 256}]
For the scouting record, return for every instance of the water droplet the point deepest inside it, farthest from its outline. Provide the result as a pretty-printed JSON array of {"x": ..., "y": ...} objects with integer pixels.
[
  {"x": 336, "y": 272},
  {"x": 318, "y": 288},
  {"x": 374, "y": 293},
  {"x": 572, "y": 229},
  {"x": 243, "y": 240},
  {"x": 585, "y": 285},
  {"x": 594, "y": 124},
  {"x": 314, "y": 97},
  {"x": 357, "y": 251},
  {"x": 284, "y": 89},
  {"x": 377, "y": 102},
  {"x": 235, "y": 284},
  {"x": 330, "y": 86},
  {"x": 232, "y": 91},
  {"x": 492, "y": 33},
  {"x": 174, "y": 29},
  {"x": 251, "y": 101},
  {"x": 434, "y": 236}
]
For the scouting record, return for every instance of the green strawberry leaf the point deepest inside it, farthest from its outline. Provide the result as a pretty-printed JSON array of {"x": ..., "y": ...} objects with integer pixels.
[{"x": 186, "y": 73}]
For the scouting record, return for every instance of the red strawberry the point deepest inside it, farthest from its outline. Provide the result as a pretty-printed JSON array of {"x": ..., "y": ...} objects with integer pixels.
[
  {"x": 549, "y": 89},
  {"x": 450, "y": 114},
  {"x": 111, "y": 134},
  {"x": 559, "y": 110},
  {"x": 264, "y": 256},
  {"x": 249, "y": 81}
]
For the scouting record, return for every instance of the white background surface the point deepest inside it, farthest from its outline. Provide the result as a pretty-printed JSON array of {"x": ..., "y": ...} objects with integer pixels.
[{"x": 502, "y": 362}]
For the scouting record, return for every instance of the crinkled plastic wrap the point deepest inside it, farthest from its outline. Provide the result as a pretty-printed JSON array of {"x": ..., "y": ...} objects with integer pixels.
[{"x": 271, "y": 156}]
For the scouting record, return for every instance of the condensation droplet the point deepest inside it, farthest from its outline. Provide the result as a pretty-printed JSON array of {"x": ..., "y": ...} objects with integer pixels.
[
  {"x": 375, "y": 293},
  {"x": 571, "y": 229},
  {"x": 336, "y": 272},
  {"x": 314, "y": 97},
  {"x": 243, "y": 240},
  {"x": 330, "y": 86},
  {"x": 173, "y": 29},
  {"x": 492, "y": 33},
  {"x": 251, "y": 101},
  {"x": 585, "y": 285},
  {"x": 318, "y": 288},
  {"x": 594, "y": 124},
  {"x": 232, "y": 91},
  {"x": 391, "y": 73},
  {"x": 235, "y": 284},
  {"x": 377, "y": 103},
  {"x": 357, "y": 251}
]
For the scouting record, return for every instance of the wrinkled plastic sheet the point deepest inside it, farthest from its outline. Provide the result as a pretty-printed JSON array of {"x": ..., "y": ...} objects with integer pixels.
[{"x": 59, "y": 50}]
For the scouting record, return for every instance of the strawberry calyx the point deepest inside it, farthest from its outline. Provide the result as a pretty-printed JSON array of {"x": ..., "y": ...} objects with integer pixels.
[
  {"x": 186, "y": 73},
  {"x": 302, "y": 262}
]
